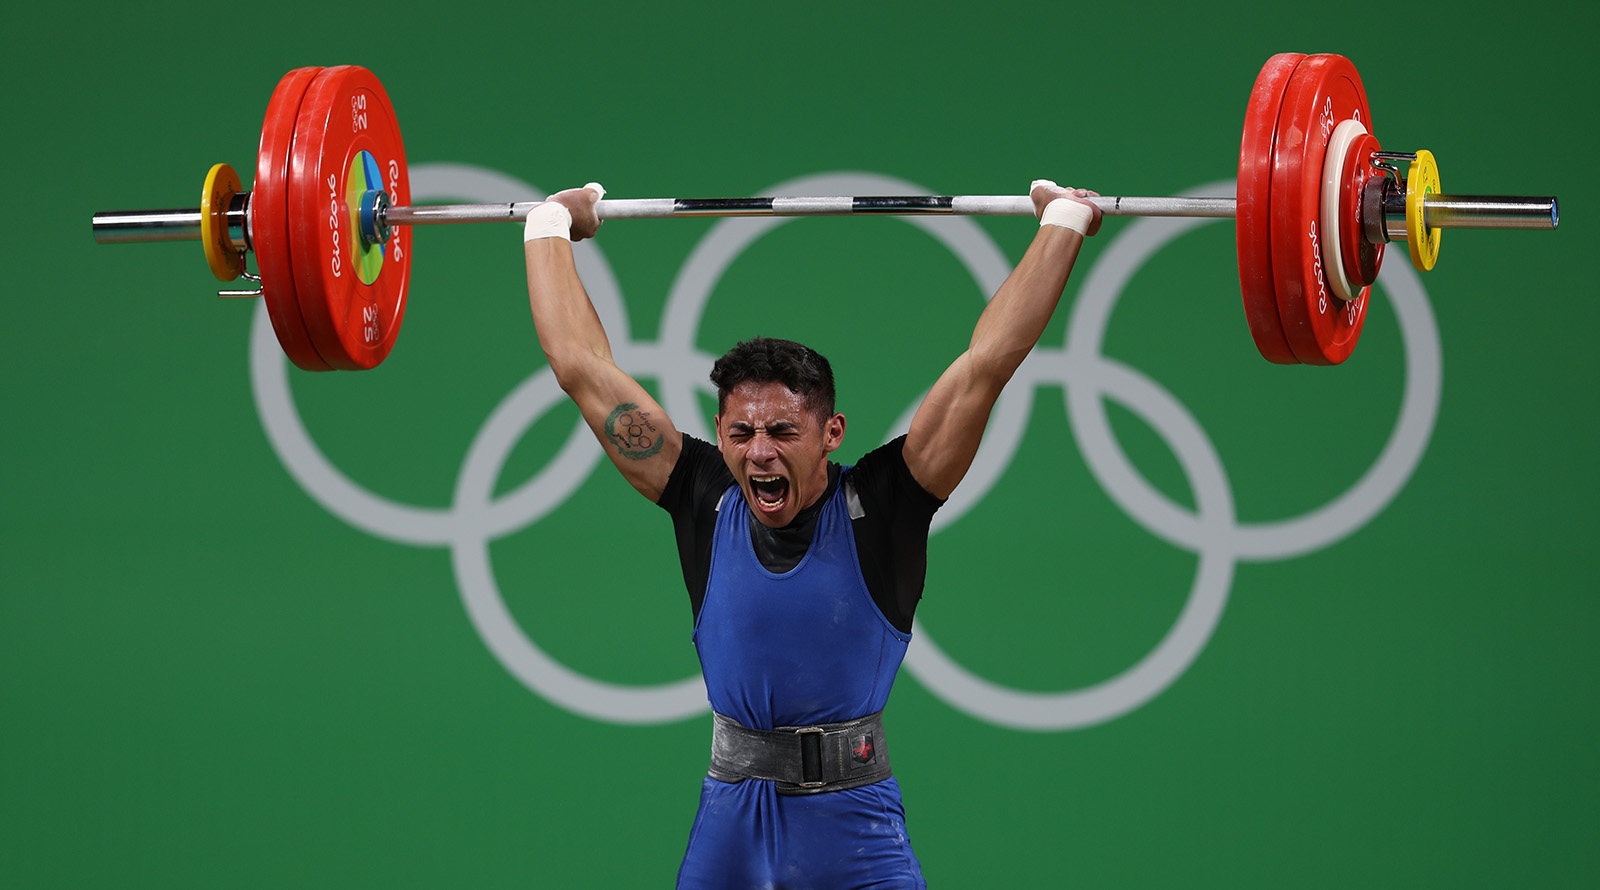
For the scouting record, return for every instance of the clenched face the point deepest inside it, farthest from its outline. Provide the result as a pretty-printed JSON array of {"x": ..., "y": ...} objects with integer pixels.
[{"x": 776, "y": 448}]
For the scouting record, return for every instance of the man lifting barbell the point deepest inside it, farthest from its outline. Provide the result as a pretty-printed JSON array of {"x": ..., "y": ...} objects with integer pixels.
[
  {"x": 797, "y": 742},
  {"x": 802, "y": 575}
]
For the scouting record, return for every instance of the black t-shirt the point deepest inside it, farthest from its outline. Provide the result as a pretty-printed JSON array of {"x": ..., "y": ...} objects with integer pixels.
[{"x": 891, "y": 525}]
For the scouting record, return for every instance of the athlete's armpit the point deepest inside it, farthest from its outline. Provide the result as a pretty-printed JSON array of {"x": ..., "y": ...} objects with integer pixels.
[{"x": 631, "y": 431}]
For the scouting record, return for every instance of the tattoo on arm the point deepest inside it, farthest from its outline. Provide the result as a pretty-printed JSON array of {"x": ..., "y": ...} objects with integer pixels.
[{"x": 632, "y": 432}]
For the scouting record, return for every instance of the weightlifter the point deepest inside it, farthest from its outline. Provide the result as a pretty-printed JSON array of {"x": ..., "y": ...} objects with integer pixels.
[{"x": 802, "y": 574}]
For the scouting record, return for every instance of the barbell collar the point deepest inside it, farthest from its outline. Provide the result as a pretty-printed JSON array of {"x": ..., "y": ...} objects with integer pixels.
[{"x": 237, "y": 219}]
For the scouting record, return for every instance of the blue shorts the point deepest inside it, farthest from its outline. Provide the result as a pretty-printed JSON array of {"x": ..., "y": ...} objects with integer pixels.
[{"x": 746, "y": 836}]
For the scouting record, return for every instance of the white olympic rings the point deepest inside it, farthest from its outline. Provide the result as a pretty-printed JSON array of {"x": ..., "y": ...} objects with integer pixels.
[{"x": 1212, "y": 531}]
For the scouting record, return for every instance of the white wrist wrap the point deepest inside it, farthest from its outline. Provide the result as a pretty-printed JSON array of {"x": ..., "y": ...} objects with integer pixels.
[
  {"x": 1068, "y": 214},
  {"x": 548, "y": 220}
]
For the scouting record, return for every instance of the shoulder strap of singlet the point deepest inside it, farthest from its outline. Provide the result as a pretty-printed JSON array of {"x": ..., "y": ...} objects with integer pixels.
[{"x": 851, "y": 498}]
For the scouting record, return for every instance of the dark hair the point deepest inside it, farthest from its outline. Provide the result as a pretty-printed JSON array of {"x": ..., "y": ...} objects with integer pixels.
[{"x": 765, "y": 360}]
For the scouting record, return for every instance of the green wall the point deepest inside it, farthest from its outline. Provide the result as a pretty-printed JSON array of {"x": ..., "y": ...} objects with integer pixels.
[{"x": 1270, "y": 626}]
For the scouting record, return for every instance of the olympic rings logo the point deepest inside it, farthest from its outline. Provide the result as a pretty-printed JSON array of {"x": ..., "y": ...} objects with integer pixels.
[{"x": 1211, "y": 530}]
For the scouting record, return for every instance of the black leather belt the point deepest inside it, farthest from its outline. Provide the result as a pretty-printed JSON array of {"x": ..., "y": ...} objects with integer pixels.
[{"x": 801, "y": 759}]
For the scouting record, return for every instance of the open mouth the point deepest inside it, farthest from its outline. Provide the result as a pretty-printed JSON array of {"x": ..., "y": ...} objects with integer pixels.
[{"x": 771, "y": 491}]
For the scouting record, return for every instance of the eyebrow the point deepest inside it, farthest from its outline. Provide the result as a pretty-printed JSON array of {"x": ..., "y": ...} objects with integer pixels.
[{"x": 781, "y": 426}]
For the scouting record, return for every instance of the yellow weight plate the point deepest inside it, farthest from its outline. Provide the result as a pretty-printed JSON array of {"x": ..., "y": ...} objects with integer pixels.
[
  {"x": 222, "y": 183},
  {"x": 1421, "y": 181}
]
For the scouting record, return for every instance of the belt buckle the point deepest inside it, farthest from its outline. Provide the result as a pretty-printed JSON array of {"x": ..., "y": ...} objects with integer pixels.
[{"x": 815, "y": 732}]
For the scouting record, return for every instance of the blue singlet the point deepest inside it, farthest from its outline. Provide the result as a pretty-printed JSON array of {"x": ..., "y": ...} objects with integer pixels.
[{"x": 805, "y": 647}]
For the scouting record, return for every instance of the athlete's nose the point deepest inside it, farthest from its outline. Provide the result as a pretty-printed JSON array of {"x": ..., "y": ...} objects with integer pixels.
[{"x": 761, "y": 450}]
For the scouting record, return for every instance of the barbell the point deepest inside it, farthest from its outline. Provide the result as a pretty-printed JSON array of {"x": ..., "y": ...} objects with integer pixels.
[{"x": 329, "y": 218}]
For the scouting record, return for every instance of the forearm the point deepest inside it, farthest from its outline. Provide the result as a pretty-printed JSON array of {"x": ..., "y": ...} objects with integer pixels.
[
  {"x": 948, "y": 426},
  {"x": 1014, "y": 320}
]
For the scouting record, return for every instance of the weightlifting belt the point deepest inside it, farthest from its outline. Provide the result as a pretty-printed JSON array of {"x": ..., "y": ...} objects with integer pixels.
[{"x": 801, "y": 759}]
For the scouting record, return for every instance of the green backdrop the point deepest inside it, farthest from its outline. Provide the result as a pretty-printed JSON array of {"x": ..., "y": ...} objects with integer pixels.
[{"x": 1265, "y": 639}]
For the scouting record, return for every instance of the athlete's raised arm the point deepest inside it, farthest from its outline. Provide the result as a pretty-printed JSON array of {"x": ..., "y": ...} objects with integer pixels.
[
  {"x": 949, "y": 424},
  {"x": 636, "y": 434}
]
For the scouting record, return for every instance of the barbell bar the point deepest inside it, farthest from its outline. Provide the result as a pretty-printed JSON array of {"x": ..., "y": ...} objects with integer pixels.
[
  {"x": 330, "y": 227},
  {"x": 1440, "y": 211}
]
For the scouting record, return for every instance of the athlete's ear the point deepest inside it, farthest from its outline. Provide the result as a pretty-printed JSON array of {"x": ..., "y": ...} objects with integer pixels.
[
  {"x": 716, "y": 421},
  {"x": 833, "y": 432}
]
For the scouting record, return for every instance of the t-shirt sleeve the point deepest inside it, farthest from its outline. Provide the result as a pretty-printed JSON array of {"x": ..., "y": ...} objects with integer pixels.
[
  {"x": 892, "y": 535},
  {"x": 690, "y": 496}
]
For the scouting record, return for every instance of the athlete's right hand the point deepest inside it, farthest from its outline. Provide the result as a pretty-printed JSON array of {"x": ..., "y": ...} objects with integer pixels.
[
  {"x": 580, "y": 202},
  {"x": 1044, "y": 192}
]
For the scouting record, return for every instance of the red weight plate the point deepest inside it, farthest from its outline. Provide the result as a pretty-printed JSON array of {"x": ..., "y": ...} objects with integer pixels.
[
  {"x": 1362, "y": 258},
  {"x": 269, "y": 221},
  {"x": 1324, "y": 91},
  {"x": 1252, "y": 219},
  {"x": 346, "y": 142}
]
